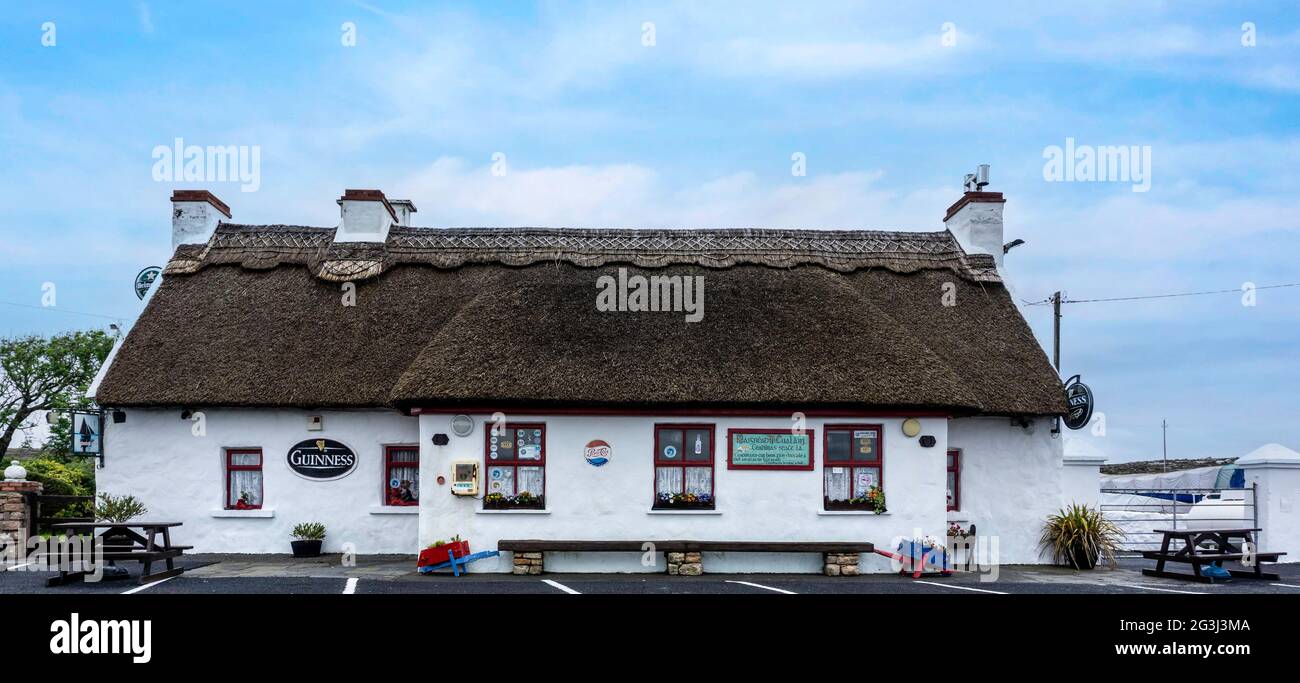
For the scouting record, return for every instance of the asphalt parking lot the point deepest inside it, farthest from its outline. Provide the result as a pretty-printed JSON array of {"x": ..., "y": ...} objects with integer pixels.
[{"x": 217, "y": 574}]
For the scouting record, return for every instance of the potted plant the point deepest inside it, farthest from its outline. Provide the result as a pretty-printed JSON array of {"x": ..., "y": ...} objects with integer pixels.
[
  {"x": 440, "y": 551},
  {"x": 308, "y": 537},
  {"x": 245, "y": 501},
  {"x": 1078, "y": 536},
  {"x": 110, "y": 508}
]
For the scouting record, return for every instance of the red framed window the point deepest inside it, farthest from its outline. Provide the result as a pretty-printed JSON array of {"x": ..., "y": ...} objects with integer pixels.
[
  {"x": 683, "y": 463},
  {"x": 954, "y": 479},
  {"x": 402, "y": 475},
  {"x": 515, "y": 467},
  {"x": 853, "y": 465},
  {"x": 243, "y": 478}
]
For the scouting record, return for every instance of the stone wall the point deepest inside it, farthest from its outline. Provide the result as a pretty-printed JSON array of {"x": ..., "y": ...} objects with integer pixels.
[{"x": 15, "y": 513}]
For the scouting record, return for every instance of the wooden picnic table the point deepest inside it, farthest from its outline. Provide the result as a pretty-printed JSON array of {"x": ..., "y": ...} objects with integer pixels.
[
  {"x": 1225, "y": 545},
  {"x": 151, "y": 543}
]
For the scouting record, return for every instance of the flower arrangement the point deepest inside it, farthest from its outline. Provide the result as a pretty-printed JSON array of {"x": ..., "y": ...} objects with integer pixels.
[
  {"x": 688, "y": 501},
  {"x": 524, "y": 500},
  {"x": 245, "y": 501},
  {"x": 955, "y": 530},
  {"x": 873, "y": 500}
]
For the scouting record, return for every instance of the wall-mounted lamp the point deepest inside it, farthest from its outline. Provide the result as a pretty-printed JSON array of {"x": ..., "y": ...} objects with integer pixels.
[{"x": 441, "y": 440}]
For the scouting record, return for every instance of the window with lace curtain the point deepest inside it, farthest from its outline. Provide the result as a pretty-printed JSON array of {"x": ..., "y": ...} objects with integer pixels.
[
  {"x": 853, "y": 466},
  {"x": 683, "y": 463},
  {"x": 401, "y": 475},
  {"x": 515, "y": 465},
  {"x": 243, "y": 478}
]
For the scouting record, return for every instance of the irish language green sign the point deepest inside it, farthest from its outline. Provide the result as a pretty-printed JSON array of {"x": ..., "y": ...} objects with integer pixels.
[{"x": 769, "y": 449}]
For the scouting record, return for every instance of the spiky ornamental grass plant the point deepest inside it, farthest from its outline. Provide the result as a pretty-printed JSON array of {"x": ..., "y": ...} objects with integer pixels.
[
  {"x": 309, "y": 531},
  {"x": 112, "y": 508},
  {"x": 1078, "y": 534}
]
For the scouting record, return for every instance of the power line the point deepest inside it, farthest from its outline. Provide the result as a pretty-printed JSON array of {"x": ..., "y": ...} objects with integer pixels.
[
  {"x": 116, "y": 318},
  {"x": 1048, "y": 300}
]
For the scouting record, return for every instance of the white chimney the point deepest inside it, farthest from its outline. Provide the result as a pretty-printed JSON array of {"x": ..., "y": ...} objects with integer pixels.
[
  {"x": 403, "y": 208},
  {"x": 365, "y": 216},
  {"x": 195, "y": 215},
  {"x": 976, "y": 219}
]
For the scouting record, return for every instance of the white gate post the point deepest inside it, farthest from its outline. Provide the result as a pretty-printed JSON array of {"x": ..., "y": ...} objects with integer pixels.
[{"x": 1275, "y": 469}]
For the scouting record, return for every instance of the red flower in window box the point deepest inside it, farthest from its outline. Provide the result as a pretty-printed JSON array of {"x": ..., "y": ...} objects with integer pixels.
[{"x": 440, "y": 552}]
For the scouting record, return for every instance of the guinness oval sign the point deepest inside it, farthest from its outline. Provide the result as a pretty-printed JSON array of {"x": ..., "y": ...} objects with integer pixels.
[
  {"x": 321, "y": 459},
  {"x": 1078, "y": 397}
]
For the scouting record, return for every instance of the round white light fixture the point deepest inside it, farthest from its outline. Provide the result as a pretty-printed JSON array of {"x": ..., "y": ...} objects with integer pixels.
[
  {"x": 911, "y": 427},
  {"x": 462, "y": 425}
]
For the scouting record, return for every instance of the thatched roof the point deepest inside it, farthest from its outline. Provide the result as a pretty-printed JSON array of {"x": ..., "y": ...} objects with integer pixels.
[{"x": 798, "y": 319}]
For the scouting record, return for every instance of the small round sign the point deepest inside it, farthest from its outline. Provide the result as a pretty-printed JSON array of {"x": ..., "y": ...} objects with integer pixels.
[
  {"x": 597, "y": 452},
  {"x": 462, "y": 425},
  {"x": 144, "y": 279},
  {"x": 670, "y": 452},
  {"x": 1079, "y": 400}
]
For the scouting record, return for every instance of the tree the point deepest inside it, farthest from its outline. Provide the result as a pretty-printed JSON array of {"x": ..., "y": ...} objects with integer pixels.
[{"x": 39, "y": 373}]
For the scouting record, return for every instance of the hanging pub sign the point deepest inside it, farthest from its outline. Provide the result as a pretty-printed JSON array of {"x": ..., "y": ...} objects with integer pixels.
[
  {"x": 1078, "y": 398},
  {"x": 87, "y": 433},
  {"x": 769, "y": 449},
  {"x": 144, "y": 279},
  {"x": 321, "y": 459}
]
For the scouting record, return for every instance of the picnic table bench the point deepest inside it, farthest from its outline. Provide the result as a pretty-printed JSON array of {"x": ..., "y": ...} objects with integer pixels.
[
  {"x": 122, "y": 542},
  {"x": 1226, "y": 545}
]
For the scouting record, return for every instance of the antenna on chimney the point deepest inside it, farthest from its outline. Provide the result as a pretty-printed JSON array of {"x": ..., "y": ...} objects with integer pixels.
[{"x": 976, "y": 181}]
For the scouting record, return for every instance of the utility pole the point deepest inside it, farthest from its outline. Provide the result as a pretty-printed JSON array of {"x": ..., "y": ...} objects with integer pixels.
[
  {"x": 1056, "y": 331},
  {"x": 1164, "y": 443}
]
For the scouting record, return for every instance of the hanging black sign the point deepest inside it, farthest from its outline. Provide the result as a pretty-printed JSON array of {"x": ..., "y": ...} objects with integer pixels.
[
  {"x": 1079, "y": 399},
  {"x": 321, "y": 459}
]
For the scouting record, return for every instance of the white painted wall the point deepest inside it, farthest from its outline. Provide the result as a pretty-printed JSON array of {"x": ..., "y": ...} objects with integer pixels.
[
  {"x": 613, "y": 502},
  {"x": 1011, "y": 479},
  {"x": 180, "y": 477}
]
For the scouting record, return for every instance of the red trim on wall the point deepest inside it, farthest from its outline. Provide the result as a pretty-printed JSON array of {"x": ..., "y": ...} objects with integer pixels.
[
  {"x": 881, "y": 413},
  {"x": 812, "y": 459},
  {"x": 956, "y": 478}
]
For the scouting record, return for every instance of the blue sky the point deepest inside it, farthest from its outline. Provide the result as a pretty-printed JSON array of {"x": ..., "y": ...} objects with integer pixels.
[{"x": 698, "y": 129}]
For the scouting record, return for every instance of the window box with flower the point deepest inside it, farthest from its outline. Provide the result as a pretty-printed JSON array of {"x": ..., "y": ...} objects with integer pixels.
[
  {"x": 523, "y": 501},
  {"x": 683, "y": 501},
  {"x": 871, "y": 501}
]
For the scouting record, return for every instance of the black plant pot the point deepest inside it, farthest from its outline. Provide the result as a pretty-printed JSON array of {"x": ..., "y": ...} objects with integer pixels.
[
  {"x": 306, "y": 548},
  {"x": 1082, "y": 559}
]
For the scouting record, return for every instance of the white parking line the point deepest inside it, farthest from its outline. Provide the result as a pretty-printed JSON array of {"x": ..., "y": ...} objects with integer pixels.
[
  {"x": 147, "y": 586},
  {"x": 351, "y": 586},
  {"x": 759, "y": 585},
  {"x": 557, "y": 584},
  {"x": 1153, "y": 588},
  {"x": 964, "y": 588},
  {"x": 17, "y": 567},
  {"x": 1284, "y": 585}
]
